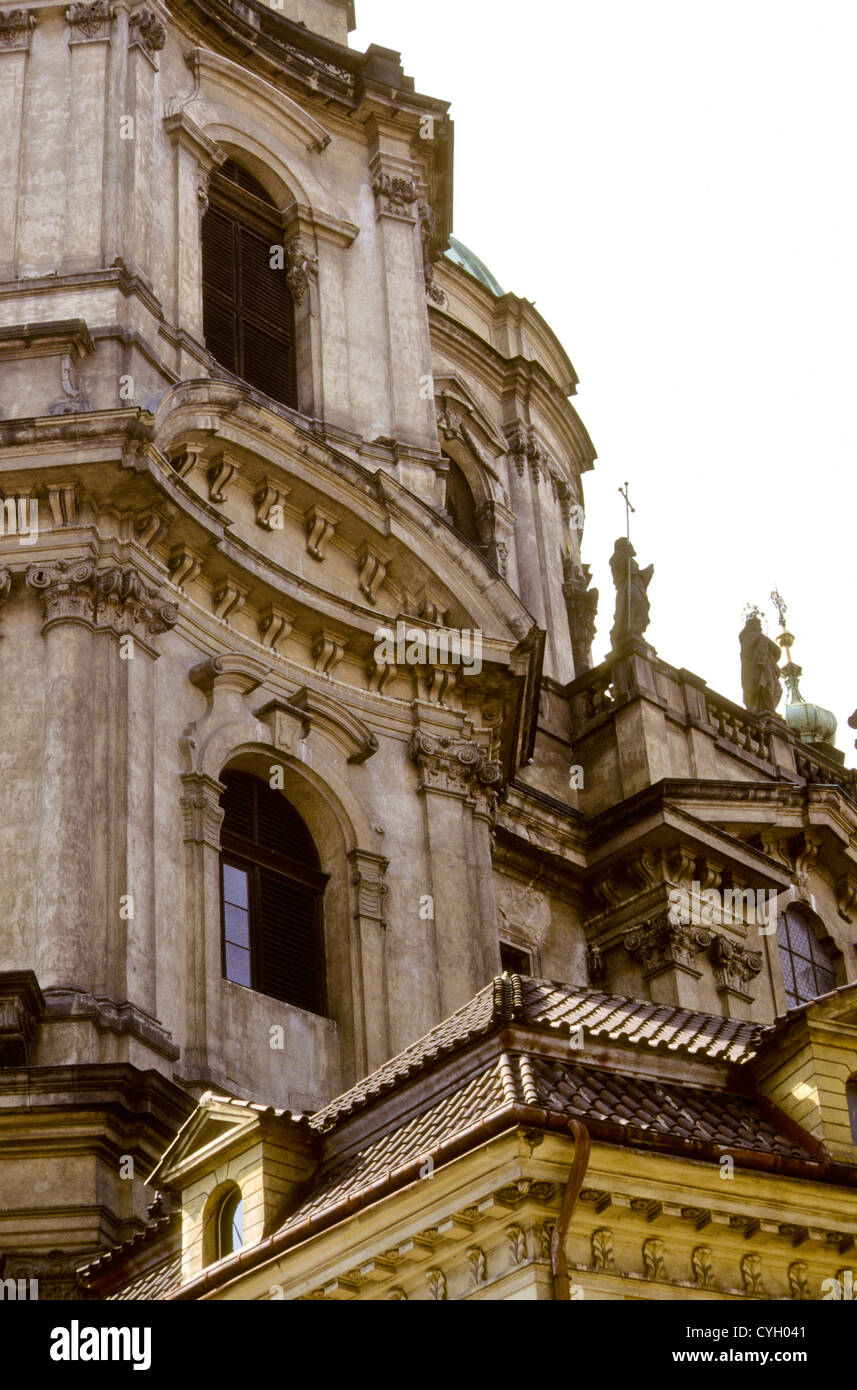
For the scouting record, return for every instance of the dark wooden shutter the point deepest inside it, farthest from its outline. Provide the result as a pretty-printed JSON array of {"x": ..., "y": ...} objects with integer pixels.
[
  {"x": 265, "y": 834},
  {"x": 248, "y": 310}
]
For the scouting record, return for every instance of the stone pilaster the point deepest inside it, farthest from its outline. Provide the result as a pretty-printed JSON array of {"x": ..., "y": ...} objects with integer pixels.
[
  {"x": 458, "y": 786},
  {"x": 367, "y": 881}
]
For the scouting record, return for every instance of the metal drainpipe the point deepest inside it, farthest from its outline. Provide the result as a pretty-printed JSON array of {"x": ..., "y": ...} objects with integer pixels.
[{"x": 559, "y": 1258}]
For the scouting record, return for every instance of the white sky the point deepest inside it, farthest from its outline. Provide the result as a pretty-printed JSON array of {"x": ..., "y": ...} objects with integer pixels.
[{"x": 673, "y": 185}]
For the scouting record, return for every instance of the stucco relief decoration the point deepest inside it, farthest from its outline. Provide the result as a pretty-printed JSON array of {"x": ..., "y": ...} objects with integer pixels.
[
  {"x": 395, "y": 194},
  {"x": 603, "y": 1257},
  {"x": 751, "y": 1274},
  {"x": 702, "y": 1265},
  {"x": 525, "y": 450},
  {"x": 15, "y": 28},
  {"x": 90, "y": 21},
  {"x": 455, "y": 766},
  {"x": 653, "y": 1259},
  {"x": 301, "y": 267},
  {"x": 661, "y": 944},
  {"x": 147, "y": 30},
  {"x": 735, "y": 966}
]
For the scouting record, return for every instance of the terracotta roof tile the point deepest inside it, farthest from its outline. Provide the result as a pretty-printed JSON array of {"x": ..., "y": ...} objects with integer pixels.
[{"x": 157, "y": 1282}]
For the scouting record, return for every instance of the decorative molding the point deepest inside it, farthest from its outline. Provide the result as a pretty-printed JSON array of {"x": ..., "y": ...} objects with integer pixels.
[
  {"x": 202, "y": 812},
  {"x": 654, "y": 1263},
  {"x": 603, "y": 1256},
  {"x": 799, "y": 1281},
  {"x": 146, "y": 29},
  {"x": 437, "y": 1285},
  {"x": 517, "y": 1245},
  {"x": 334, "y": 718},
  {"x": 751, "y": 1274},
  {"x": 275, "y": 626},
  {"x": 301, "y": 268},
  {"x": 478, "y": 1266},
  {"x": 320, "y": 526},
  {"x": 702, "y": 1265},
  {"x": 90, "y": 21},
  {"x": 663, "y": 945},
  {"x": 367, "y": 877},
  {"x": 16, "y": 27}
]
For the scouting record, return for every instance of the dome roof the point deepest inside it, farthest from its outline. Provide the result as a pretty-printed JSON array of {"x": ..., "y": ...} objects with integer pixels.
[{"x": 463, "y": 256}]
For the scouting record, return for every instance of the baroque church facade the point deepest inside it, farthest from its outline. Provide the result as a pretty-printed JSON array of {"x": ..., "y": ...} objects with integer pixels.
[{"x": 364, "y": 935}]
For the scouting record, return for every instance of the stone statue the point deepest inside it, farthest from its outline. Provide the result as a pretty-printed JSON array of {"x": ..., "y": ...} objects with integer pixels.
[
  {"x": 635, "y": 622},
  {"x": 760, "y": 676},
  {"x": 852, "y": 724},
  {"x": 581, "y": 601}
]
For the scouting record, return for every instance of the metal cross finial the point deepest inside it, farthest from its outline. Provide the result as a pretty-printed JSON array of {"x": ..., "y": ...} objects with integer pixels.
[
  {"x": 779, "y": 603},
  {"x": 625, "y": 491}
]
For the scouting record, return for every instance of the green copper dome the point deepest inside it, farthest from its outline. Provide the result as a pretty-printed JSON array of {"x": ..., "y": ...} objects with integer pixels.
[
  {"x": 811, "y": 723},
  {"x": 463, "y": 256}
]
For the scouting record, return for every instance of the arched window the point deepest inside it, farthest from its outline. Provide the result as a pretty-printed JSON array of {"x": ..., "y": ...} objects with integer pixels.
[
  {"x": 851, "y": 1094},
  {"x": 248, "y": 310},
  {"x": 272, "y": 890},
  {"x": 461, "y": 504},
  {"x": 808, "y": 967},
  {"x": 224, "y": 1225}
]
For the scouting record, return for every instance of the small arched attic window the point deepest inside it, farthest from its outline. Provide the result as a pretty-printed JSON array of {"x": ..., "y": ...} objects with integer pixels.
[
  {"x": 248, "y": 309},
  {"x": 224, "y": 1224}
]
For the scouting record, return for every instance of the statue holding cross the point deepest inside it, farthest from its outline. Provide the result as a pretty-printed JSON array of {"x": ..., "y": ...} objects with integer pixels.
[{"x": 632, "y": 585}]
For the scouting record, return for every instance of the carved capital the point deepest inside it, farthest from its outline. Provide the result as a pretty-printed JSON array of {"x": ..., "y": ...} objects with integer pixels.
[
  {"x": 734, "y": 965},
  {"x": 395, "y": 194},
  {"x": 67, "y": 588},
  {"x": 126, "y": 604},
  {"x": 455, "y": 766},
  {"x": 16, "y": 27},
  {"x": 90, "y": 21},
  {"x": 201, "y": 810},
  {"x": 662, "y": 945}
]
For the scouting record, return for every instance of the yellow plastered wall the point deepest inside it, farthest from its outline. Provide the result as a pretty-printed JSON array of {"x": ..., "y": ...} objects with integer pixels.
[{"x": 806, "y": 1078}]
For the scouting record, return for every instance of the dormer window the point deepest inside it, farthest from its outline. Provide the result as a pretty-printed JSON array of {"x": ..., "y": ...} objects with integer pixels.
[
  {"x": 230, "y": 1224},
  {"x": 248, "y": 310}
]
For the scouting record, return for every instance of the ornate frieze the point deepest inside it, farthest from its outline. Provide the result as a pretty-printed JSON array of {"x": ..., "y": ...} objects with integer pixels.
[
  {"x": 799, "y": 1281},
  {"x": 478, "y": 1266},
  {"x": 301, "y": 268},
  {"x": 734, "y": 965},
  {"x": 16, "y": 27},
  {"x": 147, "y": 30},
  {"x": 662, "y": 945},
  {"x": 437, "y": 1285},
  {"x": 90, "y": 21},
  {"x": 456, "y": 766}
]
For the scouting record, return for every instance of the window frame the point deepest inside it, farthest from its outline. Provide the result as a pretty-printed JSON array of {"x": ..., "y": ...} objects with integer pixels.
[{"x": 825, "y": 947}]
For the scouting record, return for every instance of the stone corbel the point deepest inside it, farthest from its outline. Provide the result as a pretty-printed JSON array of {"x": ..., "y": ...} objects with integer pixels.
[
  {"x": 379, "y": 673},
  {"x": 644, "y": 868},
  {"x": 275, "y": 625},
  {"x": 682, "y": 866},
  {"x": 287, "y": 725},
  {"x": 328, "y": 649},
  {"x": 16, "y": 28},
  {"x": 807, "y": 854},
  {"x": 150, "y": 528},
  {"x": 185, "y": 458},
  {"x": 220, "y": 475},
  {"x": 607, "y": 891},
  {"x": 228, "y": 598},
  {"x": 775, "y": 843},
  {"x": 438, "y": 683},
  {"x": 62, "y": 502},
  {"x": 373, "y": 571},
  {"x": 320, "y": 526},
  {"x": 269, "y": 495},
  {"x": 184, "y": 565}
]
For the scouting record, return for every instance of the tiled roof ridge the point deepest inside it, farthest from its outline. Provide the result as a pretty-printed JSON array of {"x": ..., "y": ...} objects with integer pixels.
[
  {"x": 511, "y": 998},
  {"x": 125, "y": 1247}
]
